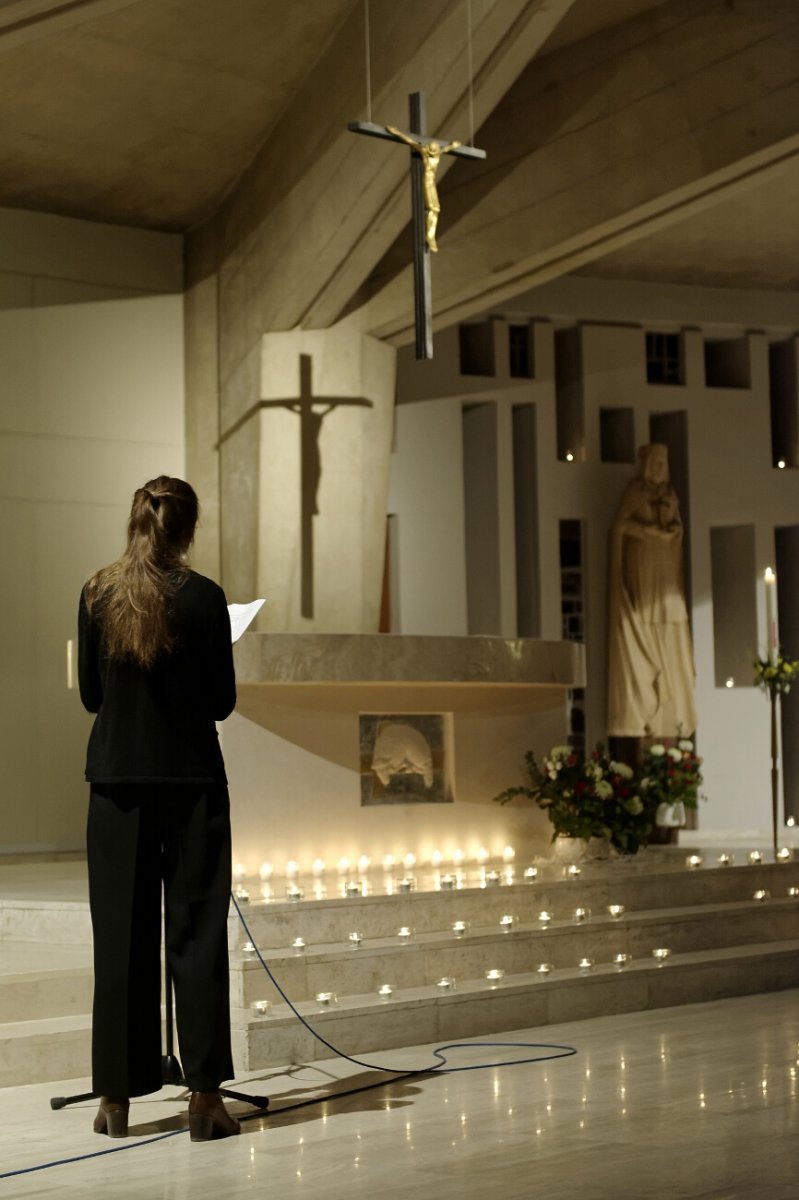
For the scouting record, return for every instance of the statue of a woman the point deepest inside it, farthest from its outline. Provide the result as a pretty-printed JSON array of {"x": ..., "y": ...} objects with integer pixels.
[{"x": 650, "y": 658}]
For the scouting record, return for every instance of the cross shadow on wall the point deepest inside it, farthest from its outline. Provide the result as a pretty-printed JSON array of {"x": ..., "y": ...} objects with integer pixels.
[{"x": 311, "y": 419}]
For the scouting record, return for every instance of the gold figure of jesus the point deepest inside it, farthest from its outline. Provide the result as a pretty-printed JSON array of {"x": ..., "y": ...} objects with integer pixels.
[{"x": 430, "y": 153}]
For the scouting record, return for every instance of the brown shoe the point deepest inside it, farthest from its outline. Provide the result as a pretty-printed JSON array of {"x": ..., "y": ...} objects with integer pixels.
[
  {"x": 112, "y": 1117},
  {"x": 208, "y": 1118}
]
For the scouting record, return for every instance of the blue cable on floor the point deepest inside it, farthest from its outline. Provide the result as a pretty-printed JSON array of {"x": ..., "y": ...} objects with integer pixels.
[{"x": 438, "y": 1068}]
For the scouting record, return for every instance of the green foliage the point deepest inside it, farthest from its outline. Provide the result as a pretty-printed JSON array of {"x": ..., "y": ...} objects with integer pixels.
[{"x": 776, "y": 678}]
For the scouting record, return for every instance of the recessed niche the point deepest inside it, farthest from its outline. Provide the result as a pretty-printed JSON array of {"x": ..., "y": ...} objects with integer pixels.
[
  {"x": 520, "y": 351},
  {"x": 670, "y": 429},
  {"x": 481, "y": 518},
  {"x": 782, "y": 370},
  {"x": 664, "y": 358},
  {"x": 572, "y": 611},
  {"x": 570, "y": 407},
  {"x": 525, "y": 504},
  {"x": 787, "y": 564},
  {"x": 732, "y": 566},
  {"x": 727, "y": 363},
  {"x": 617, "y": 435},
  {"x": 477, "y": 349}
]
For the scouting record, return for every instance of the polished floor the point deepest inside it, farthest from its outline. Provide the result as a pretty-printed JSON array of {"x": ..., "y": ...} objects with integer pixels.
[{"x": 698, "y": 1102}]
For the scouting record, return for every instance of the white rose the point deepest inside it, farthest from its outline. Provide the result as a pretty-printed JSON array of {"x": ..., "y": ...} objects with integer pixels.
[
  {"x": 685, "y": 744},
  {"x": 657, "y": 750},
  {"x": 674, "y": 754},
  {"x": 603, "y": 789},
  {"x": 645, "y": 782},
  {"x": 560, "y": 752},
  {"x": 634, "y": 806}
]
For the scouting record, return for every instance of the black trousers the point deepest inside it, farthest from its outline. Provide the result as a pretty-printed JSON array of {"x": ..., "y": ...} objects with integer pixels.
[{"x": 140, "y": 836}]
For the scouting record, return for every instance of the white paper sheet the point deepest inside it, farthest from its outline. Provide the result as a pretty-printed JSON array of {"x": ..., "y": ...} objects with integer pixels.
[{"x": 242, "y": 616}]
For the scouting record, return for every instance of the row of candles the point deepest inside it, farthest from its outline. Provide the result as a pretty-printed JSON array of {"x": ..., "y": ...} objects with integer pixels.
[
  {"x": 754, "y": 858},
  {"x": 493, "y": 977},
  {"x": 507, "y": 922}
]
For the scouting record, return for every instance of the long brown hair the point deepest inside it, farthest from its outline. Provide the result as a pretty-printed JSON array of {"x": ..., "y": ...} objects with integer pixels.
[{"x": 131, "y": 597}]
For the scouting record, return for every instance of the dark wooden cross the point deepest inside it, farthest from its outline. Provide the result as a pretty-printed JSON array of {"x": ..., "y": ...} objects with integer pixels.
[{"x": 423, "y": 306}]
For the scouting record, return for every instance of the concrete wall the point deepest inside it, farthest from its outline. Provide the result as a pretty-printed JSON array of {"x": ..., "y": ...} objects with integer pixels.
[
  {"x": 91, "y": 404},
  {"x": 730, "y": 477}
]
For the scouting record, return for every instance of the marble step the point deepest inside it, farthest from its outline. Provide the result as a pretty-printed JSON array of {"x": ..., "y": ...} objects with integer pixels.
[
  {"x": 45, "y": 921},
  {"x": 48, "y": 1048},
  {"x": 427, "y": 957},
  {"x": 275, "y": 923},
  {"x": 360, "y": 1025}
]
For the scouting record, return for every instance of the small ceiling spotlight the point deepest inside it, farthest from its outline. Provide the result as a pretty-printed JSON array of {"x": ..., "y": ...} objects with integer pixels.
[
  {"x": 569, "y": 456},
  {"x": 729, "y": 682},
  {"x": 781, "y": 464}
]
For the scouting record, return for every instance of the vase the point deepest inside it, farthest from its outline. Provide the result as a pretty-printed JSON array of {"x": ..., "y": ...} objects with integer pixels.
[
  {"x": 599, "y": 848},
  {"x": 568, "y": 849},
  {"x": 670, "y": 816}
]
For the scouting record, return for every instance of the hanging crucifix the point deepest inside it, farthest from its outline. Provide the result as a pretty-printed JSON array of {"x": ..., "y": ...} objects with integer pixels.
[{"x": 426, "y": 155}]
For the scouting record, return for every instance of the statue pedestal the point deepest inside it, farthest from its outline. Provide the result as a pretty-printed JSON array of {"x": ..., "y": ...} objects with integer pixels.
[{"x": 295, "y": 755}]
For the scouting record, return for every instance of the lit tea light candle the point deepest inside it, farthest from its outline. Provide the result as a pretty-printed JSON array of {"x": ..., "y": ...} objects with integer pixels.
[
  {"x": 616, "y": 911},
  {"x": 242, "y": 894},
  {"x": 436, "y": 858},
  {"x": 581, "y": 914},
  {"x": 793, "y": 891},
  {"x": 385, "y": 991},
  {"x": 761, "y": 894},
  {"x": 725, "y": 860},
  {"x": 754, "y": 858},
  {"x": 482, "y": 855},
  {"x": 298, "y": 944},
  {"x": 364, "y": 863},
  {"x": 343, "y": 866},
  {"x": 530, "y": 874},
  {"x": 388, "y": 862},
  {"x": 292, "y": 869},
  {"x": 572, "y": 871},
  {"x": 319, "y": 890},
  {"x": 495, "y": 976},
  {"x": 784, "y": 854},
  {"x": 326, "y": 999},
  {"x": 404, "y": 933},
  {"x": 265, "y": 872},
  {"x": 354, "y": 938},
  {"x": 586, "y": 964},
  {"x": 239, "y": 872},
  {"x": 620, "y": 961},
  {"x": 544, "y": 969},
  {"x": 266, "y": 891},
  {"x": 318, "y": 867},
  {"x": 508, "y": 854},
  {"x": 458, "y": 857},
  {"x": 248, "y": 948},
  {"x": 694, "y": 860},
  {"x": 661, "y": 954},
  {"x": 409, "y": 861},
  {"x": 544, "y": 918},
  {"x": 407, "y": 884},
  {"x": 508, "y": 875},
  {"x": 446, "y": 984},
  {"x": 506, "y": 923},
  {"x": 352, "y": 888},
  {"x": 294, "y": 892},
  {"x": 459, "y": 928},
  {"x": 492, "y": 878},
  {"x": 260, "y": 1007},
  {"x": 448, "y": 882}
]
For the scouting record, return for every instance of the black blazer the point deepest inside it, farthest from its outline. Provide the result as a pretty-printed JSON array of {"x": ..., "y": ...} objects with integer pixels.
[{"x": 158, "y": 725}]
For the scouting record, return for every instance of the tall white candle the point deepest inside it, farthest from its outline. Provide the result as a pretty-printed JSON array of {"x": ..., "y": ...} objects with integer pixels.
[{"x": 772, "y": 637}]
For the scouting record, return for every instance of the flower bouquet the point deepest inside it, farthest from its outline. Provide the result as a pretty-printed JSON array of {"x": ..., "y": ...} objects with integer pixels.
[
  {"x": 670, "y": 782},
  {"x": 778, "y": 676},
  {"x": 587, "y": 797}
]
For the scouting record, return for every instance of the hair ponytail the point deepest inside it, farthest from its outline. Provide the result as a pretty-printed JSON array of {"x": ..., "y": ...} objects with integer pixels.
[{"x": 131, "y": 597}]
